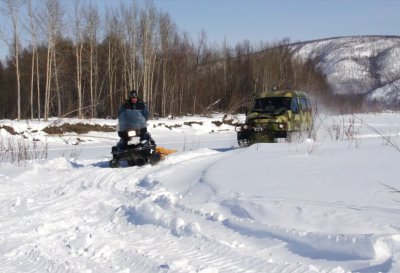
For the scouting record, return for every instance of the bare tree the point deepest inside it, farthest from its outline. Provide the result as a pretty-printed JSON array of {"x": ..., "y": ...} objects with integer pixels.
[
  {"x": 92, "y": 27},
  {"x": 12, "y": 9},
  {"x": 33, "y": 29},
  {"x": 78, "y": 35},
  {"x": 167, "y": 35},
  {"x": 52, "y": 21},
  {"x": 112, "y": 26},
  {"x": 135, "y": 48},
  {"x": 201, "y": 46},
  {"x": 131, "y": 23},
  {"x": 148, "y": 35}
]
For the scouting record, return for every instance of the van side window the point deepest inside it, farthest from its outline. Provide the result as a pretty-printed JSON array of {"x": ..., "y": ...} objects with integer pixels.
[
  {"x": 309, "y": 105},
  {"x": 295, "y": 105},
  {"x": 303, "y": 104}
]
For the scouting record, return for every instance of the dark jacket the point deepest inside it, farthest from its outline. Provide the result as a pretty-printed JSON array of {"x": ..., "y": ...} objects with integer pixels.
[{"x": 139, "y": 105}]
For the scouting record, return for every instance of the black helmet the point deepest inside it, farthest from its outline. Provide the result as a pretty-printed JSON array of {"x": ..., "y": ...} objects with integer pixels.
[{"x": 133, "y": 94}]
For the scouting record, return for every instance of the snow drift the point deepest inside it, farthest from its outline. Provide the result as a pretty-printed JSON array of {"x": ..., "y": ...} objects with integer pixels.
[{"x": 320, "y": 205}]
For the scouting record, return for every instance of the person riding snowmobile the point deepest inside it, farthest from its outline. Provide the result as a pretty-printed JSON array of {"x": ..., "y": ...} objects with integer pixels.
[{"x": 134, "y": 103}]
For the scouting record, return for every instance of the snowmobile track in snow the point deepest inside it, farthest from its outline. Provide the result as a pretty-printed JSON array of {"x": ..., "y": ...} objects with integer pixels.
[{"x": 86, "y": 218}]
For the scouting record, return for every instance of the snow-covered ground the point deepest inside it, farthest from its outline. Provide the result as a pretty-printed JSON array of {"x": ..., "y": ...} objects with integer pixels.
[{"x": 321, "y": 205}]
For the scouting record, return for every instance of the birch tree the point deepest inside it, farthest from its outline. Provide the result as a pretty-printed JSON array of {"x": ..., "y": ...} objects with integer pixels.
[
  {"x": 12, "y": 9},
  {"x": 52, "y": 20},
  {"x": 78, "y": 35},
  {"x": 199, "y": 50},
  {"x": 148, "y": 52},
  {"x": 33, "y": 29},
  {"x": 166, "y": 36},
  {"x": 131, "y": 23},
  {"x": 92, "y": 28},
  {"x": 112, "y": 26}
]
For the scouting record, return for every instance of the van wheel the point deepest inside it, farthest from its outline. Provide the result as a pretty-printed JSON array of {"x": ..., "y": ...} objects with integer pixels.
[
  {"x": 310, "y": 133},
  {"x": 243, "y": 143},
  {"x": 295, "y": 136}
]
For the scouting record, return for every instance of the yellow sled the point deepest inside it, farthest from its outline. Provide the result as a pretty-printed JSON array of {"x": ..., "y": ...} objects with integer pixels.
[{"x": 164, "y": 151}]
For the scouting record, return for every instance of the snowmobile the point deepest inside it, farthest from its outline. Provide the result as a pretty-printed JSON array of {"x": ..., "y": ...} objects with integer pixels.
[{"x": 136, "y": 146}]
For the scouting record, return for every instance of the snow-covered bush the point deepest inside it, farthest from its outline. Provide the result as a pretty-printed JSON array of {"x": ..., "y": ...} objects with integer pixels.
[{"x": 19, "y": 151}]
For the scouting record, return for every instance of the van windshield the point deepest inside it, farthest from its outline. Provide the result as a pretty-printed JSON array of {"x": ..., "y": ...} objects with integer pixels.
[{"x": 271, "y": 105}]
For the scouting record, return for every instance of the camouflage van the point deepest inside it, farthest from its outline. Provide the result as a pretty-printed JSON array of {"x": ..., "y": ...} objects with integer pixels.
[{"x": 276, "y": 115}]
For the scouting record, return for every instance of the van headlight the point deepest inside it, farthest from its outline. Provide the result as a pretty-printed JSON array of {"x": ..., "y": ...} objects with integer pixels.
[
  {"x": 131, "y": 133},
  {"x": 281, "y": 126}
]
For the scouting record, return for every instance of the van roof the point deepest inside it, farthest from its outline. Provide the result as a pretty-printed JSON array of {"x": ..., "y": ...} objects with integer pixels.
[{"x": 282, "y": 93}]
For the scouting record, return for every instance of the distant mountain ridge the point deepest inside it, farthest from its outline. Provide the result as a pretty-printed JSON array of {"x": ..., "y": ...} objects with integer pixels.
[{"x": 368, "y": 65}]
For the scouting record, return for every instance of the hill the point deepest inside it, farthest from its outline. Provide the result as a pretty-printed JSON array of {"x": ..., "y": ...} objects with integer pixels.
[{"x": 366, "y": 65}]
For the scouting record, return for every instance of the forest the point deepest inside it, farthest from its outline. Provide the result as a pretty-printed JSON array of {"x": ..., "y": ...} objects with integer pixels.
[{"x": 84, "y": 64}]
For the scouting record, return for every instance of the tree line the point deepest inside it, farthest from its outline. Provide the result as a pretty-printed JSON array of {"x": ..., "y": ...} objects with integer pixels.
[{"x": 84, "y": 64}]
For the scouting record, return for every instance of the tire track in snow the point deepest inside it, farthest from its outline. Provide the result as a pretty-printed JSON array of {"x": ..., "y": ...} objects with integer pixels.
[
  {"x": 215, "y": 246},
  {"x": 320, "y": 245},
  {"x": 187, "y": 250},
  {"x": 194, "y": 255},
  {"x": 349, "y": 247},
  {"x": 78, "y": 196},
  {"x": 46, "y": 206},
  {"x": 31, "y": 259},
  {"x": 84, "y": 204}
]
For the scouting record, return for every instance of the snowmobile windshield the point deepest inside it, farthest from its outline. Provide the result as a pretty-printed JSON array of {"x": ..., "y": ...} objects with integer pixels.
[
  {"x": 131, "y": 120},
  {"x": 272, "y": 105}
]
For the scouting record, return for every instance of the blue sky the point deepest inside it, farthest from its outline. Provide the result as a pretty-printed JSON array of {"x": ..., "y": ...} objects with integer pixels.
[{"x": 272, "y": 20}]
